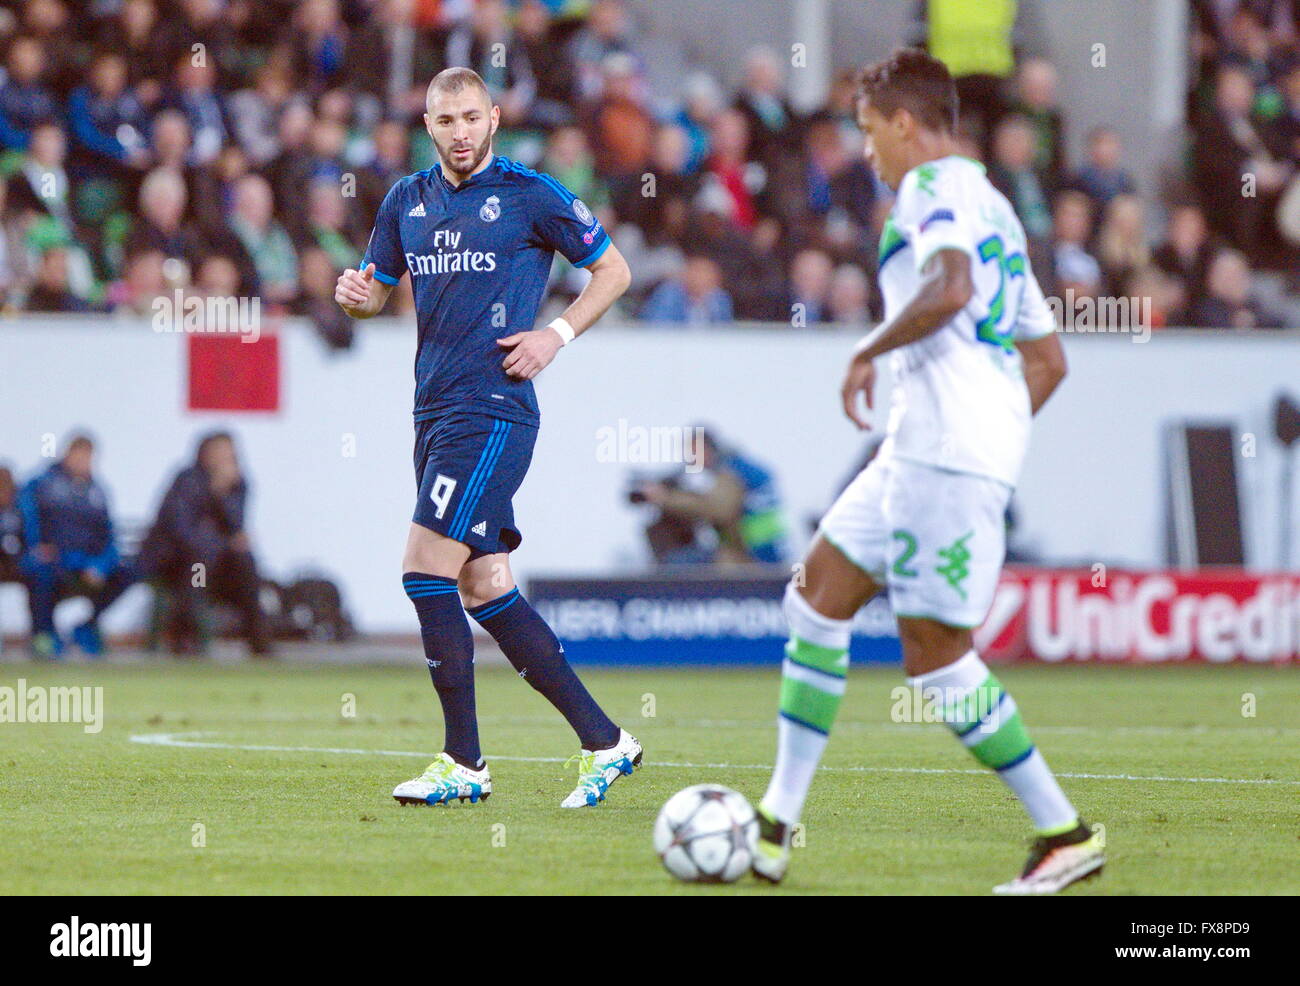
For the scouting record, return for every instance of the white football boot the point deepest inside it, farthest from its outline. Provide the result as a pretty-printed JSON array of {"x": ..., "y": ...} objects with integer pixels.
[
  {"x": 445, "y": 780},
  {"x": 598, "y": 769},
  {"x": 1057, "y": 861}
]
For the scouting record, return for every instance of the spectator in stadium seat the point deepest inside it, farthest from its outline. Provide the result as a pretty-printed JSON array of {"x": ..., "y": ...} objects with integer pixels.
[
  {"x": 479, "y": 43},
  {"x": 837, "y": 179},
  {"x": 71, "y": 550},
  {"x": 132, "y": 33},
  {"x": 569, "y": 160},
  {"x": 728, "y": 141},
  {"x": 197, "y": 22},
  {"x": 1228, "y": 145},
  {"x": 1074, "y": 268},
  {"x": 25, "y": 99},
  {"x": 109, "y": 124},
  {"x": 255, "y": 111},
  {"x": 1121, "y": 242},
  {"x": 387, "y": 162},
  {"x": 1283, "y": 133},
  {"x": 759, "y": 287},
  {"x": 1103, "y": 176},
  {"x": 642, "y": 204},
  {"x": 849, "y": 298},
  {"x": 49, "y": 22},
  {"x": 161, "y": 224},
  {"x": 392, "y": 152},
  {"x": 606, "y": 32},
  {"x": 1036, "y": 101},
  {"x": 692, "y": 297},
  {"x": 291, "y": 169},
  {"x": 11, "y": 528},
  {"x": 320, "y": 45},
  {"x": 317, "y": 274},
  {"x": 552, "y": 68},
  {"x": 198, "y": 548},
  {"x": 1012, "y": 173},
  {"x": 218, "y": 277},
  {"x": 1213, "y": 21},
  {"x": 619, "y": 123},
  {"x": 51, "y": 291},
  {"x": 391, "y": 54},
  {"x": 710, "y": 230},
  {"x": 326, "y": 159},
  {"x": 1187, "y": 251},
  {"x": 265, "y": 242},
  {"x": 326, "y": 227},
  {"x": 143, "y": 280},
  {"x": 194, "y": 94},
  {"x": 169, "y": 141},
  {"x": 701, "y": 104},
  {"x": 1166, "y": 293},
  {"x": 211, "y": 194},
  {"x": 811, "y": 271},
  {"x": 42, "y": 183},
  {"x": 773, "y": 125},
  {"x": 15, "y": 260},
  {"x": 1229, "y": 303},
  {"x": 1250, "y": 45},
  {"x": 651, "y": 259}
]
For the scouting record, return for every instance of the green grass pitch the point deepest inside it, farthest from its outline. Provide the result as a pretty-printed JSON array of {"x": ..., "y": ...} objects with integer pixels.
[{"x": 901, "y": 809}]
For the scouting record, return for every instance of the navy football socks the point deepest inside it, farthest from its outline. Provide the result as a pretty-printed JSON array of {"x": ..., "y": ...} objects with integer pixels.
[
  {"x": 449, "y": 652},
  {"x": 531, "y": 646}
]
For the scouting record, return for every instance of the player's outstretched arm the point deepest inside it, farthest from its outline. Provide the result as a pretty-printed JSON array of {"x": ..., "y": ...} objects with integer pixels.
[
  {"x": 945, "y": 290},
  {"x": 531, "y": 352},
  {"x": 359, "y": 294},
  {"x": 1044, "y": 367}
]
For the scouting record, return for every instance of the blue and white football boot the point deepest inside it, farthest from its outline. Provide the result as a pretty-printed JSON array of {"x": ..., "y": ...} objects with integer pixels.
[
  {"x": 598, "y": 769},
  {"x": 444, "y": 781}
]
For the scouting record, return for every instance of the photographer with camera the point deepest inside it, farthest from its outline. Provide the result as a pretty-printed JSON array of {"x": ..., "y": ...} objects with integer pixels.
[{"x": 722, "y": 509}]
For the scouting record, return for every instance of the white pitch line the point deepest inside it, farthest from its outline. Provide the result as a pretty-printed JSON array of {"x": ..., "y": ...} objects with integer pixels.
[{"x": 175, "y": 739}]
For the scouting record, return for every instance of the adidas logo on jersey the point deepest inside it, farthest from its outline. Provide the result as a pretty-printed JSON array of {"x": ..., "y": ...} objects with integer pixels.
[
  {"x": 418, "y": 210},
  {"x": 480, "y": 528}
]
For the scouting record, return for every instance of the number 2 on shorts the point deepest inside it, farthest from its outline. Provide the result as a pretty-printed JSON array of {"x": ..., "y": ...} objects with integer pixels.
[{"x": 909, "y": 549}]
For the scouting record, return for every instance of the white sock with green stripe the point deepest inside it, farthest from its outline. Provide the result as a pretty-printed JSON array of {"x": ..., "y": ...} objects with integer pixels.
[
  {"x": 985, "y": 718},
  {"x": 812, "y": 684}
]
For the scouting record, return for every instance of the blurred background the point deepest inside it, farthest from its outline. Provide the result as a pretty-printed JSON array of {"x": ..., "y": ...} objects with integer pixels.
[{"x": 163, "y": 158}]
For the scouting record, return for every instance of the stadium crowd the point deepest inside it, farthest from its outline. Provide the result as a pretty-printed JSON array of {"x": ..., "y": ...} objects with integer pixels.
[{"x": 230, "y": 147}]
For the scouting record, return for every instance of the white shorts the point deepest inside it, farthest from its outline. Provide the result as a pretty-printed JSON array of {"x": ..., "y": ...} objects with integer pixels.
[{"x": 934, "y": 539}]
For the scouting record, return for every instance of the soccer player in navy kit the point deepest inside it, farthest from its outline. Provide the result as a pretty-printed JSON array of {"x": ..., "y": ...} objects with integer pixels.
[{"x": 477, "y": 234}]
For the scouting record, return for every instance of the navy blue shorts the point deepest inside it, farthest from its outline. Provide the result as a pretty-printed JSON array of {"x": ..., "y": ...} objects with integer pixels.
[{"x": 468, "y": 467}]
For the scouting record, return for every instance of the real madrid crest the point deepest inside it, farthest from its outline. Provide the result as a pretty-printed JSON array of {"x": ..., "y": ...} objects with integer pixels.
[{"x": 491, "y": 210}]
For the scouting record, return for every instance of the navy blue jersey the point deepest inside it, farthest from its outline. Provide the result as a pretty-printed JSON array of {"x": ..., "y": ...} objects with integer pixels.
[{"x": 479, "y": 255}]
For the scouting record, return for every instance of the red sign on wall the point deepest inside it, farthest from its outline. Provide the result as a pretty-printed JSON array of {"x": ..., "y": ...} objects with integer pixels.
[
  {"x": 228, "y": 373},
  {"x": 1149, "y": 617}
]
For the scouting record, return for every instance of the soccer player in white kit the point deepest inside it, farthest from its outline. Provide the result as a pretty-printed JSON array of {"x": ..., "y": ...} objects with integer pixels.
[{"x": 974, "y": 354}]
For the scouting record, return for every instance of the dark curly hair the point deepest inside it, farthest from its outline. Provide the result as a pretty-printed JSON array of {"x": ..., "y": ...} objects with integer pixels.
[{"x": 913, "y": 80}]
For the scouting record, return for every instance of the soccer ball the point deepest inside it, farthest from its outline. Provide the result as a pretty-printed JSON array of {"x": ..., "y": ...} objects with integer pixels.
[{"x": 705, "y": 834}]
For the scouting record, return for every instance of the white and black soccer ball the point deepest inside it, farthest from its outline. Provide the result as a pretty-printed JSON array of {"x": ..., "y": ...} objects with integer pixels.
[{"x": 704, "y": 834}]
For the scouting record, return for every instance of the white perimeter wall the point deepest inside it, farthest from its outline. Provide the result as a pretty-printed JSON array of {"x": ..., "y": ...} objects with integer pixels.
[{"x": 1091, "y": 490}]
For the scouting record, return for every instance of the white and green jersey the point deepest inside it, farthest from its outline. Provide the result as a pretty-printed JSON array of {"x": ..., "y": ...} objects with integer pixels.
[{"x": 959, "y": 400}]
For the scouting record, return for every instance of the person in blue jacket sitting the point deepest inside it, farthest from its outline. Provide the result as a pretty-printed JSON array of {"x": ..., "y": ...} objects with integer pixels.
[{"x": 70, "y": 548}]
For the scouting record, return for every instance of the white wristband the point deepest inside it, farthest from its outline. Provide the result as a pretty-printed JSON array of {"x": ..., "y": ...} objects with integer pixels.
[{"x": 563, "y": 328}]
